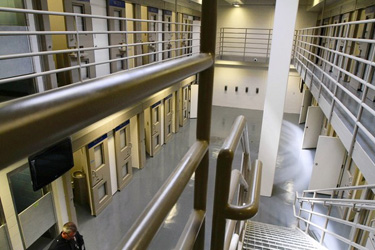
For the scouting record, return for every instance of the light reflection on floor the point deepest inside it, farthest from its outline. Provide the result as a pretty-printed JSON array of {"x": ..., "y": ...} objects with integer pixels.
[{"x": 292, "y": 174}]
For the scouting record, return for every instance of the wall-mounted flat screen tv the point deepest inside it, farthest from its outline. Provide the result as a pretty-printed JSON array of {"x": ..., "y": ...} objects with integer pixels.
[{"x": 50, "y": 163}]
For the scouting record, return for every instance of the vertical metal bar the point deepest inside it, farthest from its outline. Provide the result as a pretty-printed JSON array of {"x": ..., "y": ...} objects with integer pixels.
[
  {"x": 268, "y": 44},
  {"x": 206, "y": 79},
  {"x": 326, "y": 219},
  {"x": 222, "y": 185},
  {"x": 126, "y": 42},
  {"x": 79, "y": 49},
  {"x": 310, "y": 215},
  {"x": 244, "y": 45}
]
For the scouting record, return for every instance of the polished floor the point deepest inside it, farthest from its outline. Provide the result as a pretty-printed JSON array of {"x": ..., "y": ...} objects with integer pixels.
[{"x": 292, "y": 174}]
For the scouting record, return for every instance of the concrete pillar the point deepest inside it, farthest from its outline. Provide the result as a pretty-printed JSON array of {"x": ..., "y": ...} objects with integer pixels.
[{"x": 277, "y": 82}]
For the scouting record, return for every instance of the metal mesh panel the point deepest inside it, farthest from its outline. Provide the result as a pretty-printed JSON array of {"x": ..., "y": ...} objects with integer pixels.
[{"x": 265, "y": 236}]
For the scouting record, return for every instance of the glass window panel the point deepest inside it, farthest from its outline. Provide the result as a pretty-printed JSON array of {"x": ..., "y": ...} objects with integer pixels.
[
  {"x": 169, "y": 129},
  {"x": 156, "y": 141},
  {"x": 125, "y": 170},
  {"x": 22, "y": 190},
  {"x": 98, "y": 154},
  {"x": 80, "y": 22},
  {"x": 123, "y": 138},
  {"x": 102, "y": 192},
  {"x": 156, "y": 114},
  {"x": 117, "y": 23},
  {"x": 12, "y": 19}
]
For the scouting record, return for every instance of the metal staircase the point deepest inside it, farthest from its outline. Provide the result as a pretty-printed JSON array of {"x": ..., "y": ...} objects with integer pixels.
[
  {"x": 259, "y": 235},
  {"x": 340, "y": 218}
]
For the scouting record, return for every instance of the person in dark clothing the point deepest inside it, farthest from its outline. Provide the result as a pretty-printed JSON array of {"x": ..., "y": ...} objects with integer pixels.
[{"x": 68, "y": 239}]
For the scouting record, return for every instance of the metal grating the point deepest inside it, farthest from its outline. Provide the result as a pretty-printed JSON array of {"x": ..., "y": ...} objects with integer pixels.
[{"x": 265, "y": 236}]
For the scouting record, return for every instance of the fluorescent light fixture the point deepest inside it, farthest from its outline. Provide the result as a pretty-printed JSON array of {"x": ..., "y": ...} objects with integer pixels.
[{"x": 236, "y": 5}]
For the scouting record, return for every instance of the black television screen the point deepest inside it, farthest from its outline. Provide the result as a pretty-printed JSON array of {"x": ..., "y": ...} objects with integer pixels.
[{"x": 50, "y": 163}]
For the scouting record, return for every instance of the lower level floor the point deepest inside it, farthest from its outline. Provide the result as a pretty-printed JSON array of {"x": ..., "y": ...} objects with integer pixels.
[{"x": 292, "y": 174}]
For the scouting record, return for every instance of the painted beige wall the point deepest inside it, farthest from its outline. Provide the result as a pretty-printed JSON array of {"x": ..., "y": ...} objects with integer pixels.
[{"x": 253, "y": 77}]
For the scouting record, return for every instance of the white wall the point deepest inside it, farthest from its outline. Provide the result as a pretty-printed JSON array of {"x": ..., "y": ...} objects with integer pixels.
[{"x": 252, "y": 78}]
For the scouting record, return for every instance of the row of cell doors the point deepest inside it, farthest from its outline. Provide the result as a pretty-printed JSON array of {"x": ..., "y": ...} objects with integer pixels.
[
  {"x": 153, "y": 38},
  {"x": 332, "y": 166},
  {"x": 164, "y": 117},
  {"x": 150, "y": 129}
]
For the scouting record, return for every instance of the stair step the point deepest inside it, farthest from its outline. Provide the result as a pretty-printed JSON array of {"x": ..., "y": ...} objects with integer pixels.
[{"x": 266, "y": 236}]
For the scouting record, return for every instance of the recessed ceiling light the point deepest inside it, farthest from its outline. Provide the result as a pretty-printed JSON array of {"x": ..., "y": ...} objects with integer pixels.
[{"x": 236, "y": 5}]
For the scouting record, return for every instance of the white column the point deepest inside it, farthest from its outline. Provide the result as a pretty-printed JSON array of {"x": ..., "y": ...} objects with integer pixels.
[{"x": 277, "y": 82}]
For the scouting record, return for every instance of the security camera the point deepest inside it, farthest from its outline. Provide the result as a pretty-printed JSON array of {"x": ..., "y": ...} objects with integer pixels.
[{"x": 255, "y": 59}]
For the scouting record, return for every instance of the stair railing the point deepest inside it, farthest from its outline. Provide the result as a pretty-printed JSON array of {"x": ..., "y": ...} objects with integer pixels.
[
  {"x": 310, "y": 201},
  {"x": 227, "y": 183}
]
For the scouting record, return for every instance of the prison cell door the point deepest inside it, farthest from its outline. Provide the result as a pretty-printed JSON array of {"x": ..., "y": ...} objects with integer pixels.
[
  {"x": 362, "y": 49},
  {"x": 155, "y": 128},
  {"x": 323, "y": 43},
  {"x": 186, "y": 34},
  {"x": 313, "y": 127},
  {"x": 367, "y": 71},
  {"x": 123, "y": 154},
  {"x": 176, "y": 108},
  {"x": 167, "y": 35},
  {"x": 168, "y": 114},
  {"x": 45, "y": 43},
  {"x": 152, "y": 38},
  {"x": 117, "y": 9},
  {"x": 100, "y": 180},
  {"x": 184, "y": 107},
  {"x": 306, "y": 102},
  {"x": 79, "y": 23},
  {"x": 334, "y": 31},
  {"x": 328, "y": 162},
  {"x": 342, "y": 31}
]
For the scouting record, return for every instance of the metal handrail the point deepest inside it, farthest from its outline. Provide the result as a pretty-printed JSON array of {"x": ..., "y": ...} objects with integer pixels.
[
  {"x": 370, "y": 186},
  {"x": 26, "y": 123},
  {"x": 248, "y": 49},
  {"x": 143, "y": 230},
  {"x": 313, "y": 49},
  {"x": 34, "y": 122},
  {"x": 223, "y": 210},
  {"x": 78, "y": 49},
  {"x": 360, "y": 206}
]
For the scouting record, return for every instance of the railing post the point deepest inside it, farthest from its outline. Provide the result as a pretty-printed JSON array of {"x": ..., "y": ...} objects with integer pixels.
[
  {"x": 310, "y": 215},
  {"x": 244, "y": 45},
  {"x": 268, "y": 44},
  {"x": 206, "y": 78},
  {"x": 222, "y": 185}
]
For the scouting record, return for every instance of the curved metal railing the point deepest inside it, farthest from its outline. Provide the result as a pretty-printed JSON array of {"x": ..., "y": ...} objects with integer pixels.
[{"x": 227, "y": 182}]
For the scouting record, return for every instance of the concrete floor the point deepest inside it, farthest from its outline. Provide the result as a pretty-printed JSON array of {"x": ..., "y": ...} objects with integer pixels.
[{"x": 292, "y": 174}]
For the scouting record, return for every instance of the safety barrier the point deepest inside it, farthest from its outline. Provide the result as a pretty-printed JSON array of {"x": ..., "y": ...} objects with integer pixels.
[
  {"x": 321, "y": 213},
  {"x": 227, "y": 182}
]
